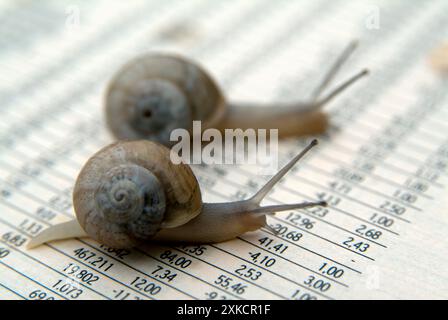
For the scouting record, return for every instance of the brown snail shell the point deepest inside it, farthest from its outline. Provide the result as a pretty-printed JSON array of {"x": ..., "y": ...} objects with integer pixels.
[
  {"x": 154, "y": 94},
  {"x": 128, "y": 191}
]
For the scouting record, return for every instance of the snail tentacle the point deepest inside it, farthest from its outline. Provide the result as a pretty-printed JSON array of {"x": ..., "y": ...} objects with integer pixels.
[{"x": 225, "y": 221}]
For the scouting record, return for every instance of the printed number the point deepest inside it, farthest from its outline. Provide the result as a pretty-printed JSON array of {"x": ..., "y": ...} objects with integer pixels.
[
  {"x": 67, "y": 289},
  {"x": 247, "y": 272},
  {"x": 392, "y": 208},
  {"x": 317, "y": 211},
  {"x": 93, "y": 259},
  {"x": 146, "y": 286},
  {"x": 124, "y": 295},
  {"x": 348, "y": 175},
  {"x": 313, "y": 282},
  {"x": 270, "y": 244},
  {"x": 300, "y": 221},
  {"x": 331, "y": 271},
  {"x": 60, "y": 203},
  {"x": 175, "y": 259},
  {"x": 119, "y": 253},
  {"x": 329, "y": 198},
  {"x": 416, "y": 185},
  {"x": 40, "y": 295},
  {"x": 340, "y": 187},
  {"x": 196, "y": 250},
  {"x": 45, "y": 214},
  {"x": 215, "y": 295},
  {"x": 262, "y": 260},
  {"x": 227, "y": 283},
  {"x": 369, "y": 233},
  {"x": 4, "y": 252},
  {"x": 382, "y": 220},
  {"x": 299, "y": 295},
  {"x": 405, "y": 196},
  {"x": 359, "y": 246},
  {"x": 284, "y": 232},
  {"x": 81, "y": 274},
  {"x": 30, "y": 227},
  {"x": 14, "y": 239},
  {"x": 163, "y": 273}
]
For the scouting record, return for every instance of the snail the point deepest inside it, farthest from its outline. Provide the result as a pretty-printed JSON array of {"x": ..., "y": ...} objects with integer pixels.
[
  {"x": 130, "y": 192},
  {"x": 154, "y": 94}
]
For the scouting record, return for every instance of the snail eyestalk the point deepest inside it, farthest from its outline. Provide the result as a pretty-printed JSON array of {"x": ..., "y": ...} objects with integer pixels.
[
  {"x": 228, "y": 220},
  {"x": 341, "y": 87},
  {"x": 285, "y": 207},
  {"x": 259, "y": 196},
  {"x": 334, "y": 69}
]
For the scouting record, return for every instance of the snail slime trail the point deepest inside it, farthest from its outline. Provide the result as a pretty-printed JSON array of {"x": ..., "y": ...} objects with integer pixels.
[{"x": 238, "y": 146}]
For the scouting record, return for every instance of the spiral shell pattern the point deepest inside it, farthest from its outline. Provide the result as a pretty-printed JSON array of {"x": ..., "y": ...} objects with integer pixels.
[
  {"x": 154, "y": 94},
  {"x": 128, "y": 191},
  {"x": 133, "y": 198}
]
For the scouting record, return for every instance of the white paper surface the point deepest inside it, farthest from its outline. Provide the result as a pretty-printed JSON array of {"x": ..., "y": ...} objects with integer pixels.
[{"x": 382, "y": 166}]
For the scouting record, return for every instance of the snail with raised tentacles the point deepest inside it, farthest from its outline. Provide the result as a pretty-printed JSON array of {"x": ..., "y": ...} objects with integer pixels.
[
  {"x": 130, "y": 192},
  {"x": 154, "y": 94}
]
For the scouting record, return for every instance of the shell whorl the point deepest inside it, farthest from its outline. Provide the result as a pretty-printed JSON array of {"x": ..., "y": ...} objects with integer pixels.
[
  {"x": 131, "y": 197},
  {"x": 129, "y": 190},
  {"x": 154, "y": 94}
]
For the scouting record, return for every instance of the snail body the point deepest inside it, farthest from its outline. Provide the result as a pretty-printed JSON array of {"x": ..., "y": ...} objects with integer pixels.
[
  {"x": 129, "y": 193},
  {"x": 154, "y": 94}
]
